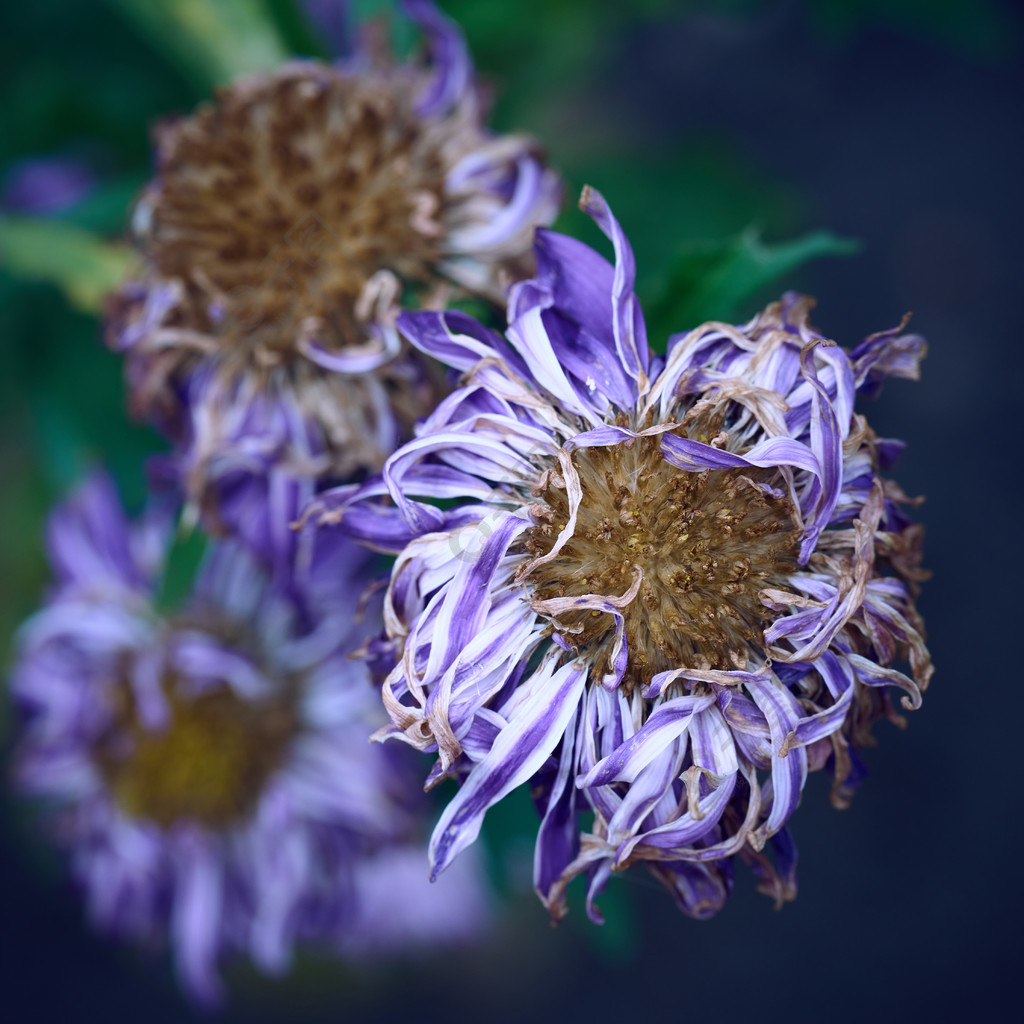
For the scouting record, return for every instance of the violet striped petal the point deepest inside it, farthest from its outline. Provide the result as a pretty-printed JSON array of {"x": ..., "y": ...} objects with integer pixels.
[
  {"x": 530, "y": 183},
  {"x": 89, "y": 539},
  {"x": 495, "y": 459},
  {"x": 529, "y": 336},
  {"x": 839, "y": 680},
  {"x": 826, "y": 443},
  {"x": 876, "y": 675},
  {"x": 700, "y": 890},
  {"x": 711, "y": 743},
  {"x": 789, "y": 771},
  {"x": 664, "y": 724},
  {"x": 519, "y": 751},
  {"x": 887, "y": 354},
  {"x": 355, "y": 359},
  {"x": 748, "y": 725},
  {"x": 455, "y": 338},
  {"x": 627, "y": 317},
  {"x": 580, "y": 282},
  {"x": 558, "y": 836},
  {"x": 599, "y": 875},
  {"x": 775, "y": 451},
  {"x": 597, "y": 376},
  {"x": 679, "y": 835},
  {"x": 652, "y": 784},
  {"x": 467, "y": 598}
]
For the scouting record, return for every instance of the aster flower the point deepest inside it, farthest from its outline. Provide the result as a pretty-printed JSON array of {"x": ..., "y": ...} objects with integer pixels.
[
  {"x": 658, "y": 590},
  {"x": 288, "y": 221},
  {"x": 209, "y": 772}
]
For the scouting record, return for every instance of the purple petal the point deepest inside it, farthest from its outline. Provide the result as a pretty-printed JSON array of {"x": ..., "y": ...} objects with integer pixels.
[
  {"x": 627, "y": 317},
  {"x": 789, "y": 771},
  {"x": 195, "y": 921},
  {"x": 452, "y": 68},
  {"x": 90, "y": 541},
  {"x": 839, "y": 681},
  {"x": 665, "y": 724},
  {"x": 558, "y": 836},
  {"x": 580, "y": 283},
  {"x": 521, "y": 748},
  {"x": 455, "y": 338}
]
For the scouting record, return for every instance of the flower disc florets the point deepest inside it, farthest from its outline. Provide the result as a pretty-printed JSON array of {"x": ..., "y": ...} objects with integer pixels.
[
  {"x": 660, "y": 590},
  {"x": 209, "y": 771},
  {"x": 289, "y": 221},
  {"x": 700, "y": 546}
]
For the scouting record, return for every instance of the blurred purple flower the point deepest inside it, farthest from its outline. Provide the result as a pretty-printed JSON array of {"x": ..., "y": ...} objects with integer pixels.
[
  {"x": 287, "y": 224},
  {"x": 660, "y": 590},
  {"x": 42, "y": 186},
  {"x": 209, "y": 771}
]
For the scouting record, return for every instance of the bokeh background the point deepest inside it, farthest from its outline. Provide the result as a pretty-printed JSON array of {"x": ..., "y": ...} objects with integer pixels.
[{"x": 708, "y": 126}]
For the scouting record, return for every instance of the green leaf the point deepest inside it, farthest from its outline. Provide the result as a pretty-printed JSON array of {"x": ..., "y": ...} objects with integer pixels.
[
  {"x": 183, "y": 563},
  {"x": 107, "y": 208},
  {"x": 712, "y": 280},
  {"x": 84, "y": 266},
  {"x": 211, "y": 43},
  {"x": 508, "y": 835}
]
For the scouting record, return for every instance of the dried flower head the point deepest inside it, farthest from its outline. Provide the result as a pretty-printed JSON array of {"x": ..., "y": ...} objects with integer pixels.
[
  {"x": 209, "y": 770},
  {"x": 660, "y": 590},
  {"x": 289, "y": 220}
]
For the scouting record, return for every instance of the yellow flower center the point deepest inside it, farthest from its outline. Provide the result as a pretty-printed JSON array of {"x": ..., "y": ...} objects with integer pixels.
[{"x": 209, "y": 765}]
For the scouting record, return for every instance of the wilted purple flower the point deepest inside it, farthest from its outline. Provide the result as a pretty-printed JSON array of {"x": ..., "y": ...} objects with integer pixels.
[
  {"x": 288, "y": 222},
  {"x": 659, "y": 589},
  {"x": 209, "y": 771}
]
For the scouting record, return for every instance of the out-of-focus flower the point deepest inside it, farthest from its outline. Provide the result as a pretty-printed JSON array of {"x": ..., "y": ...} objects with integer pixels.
[
  {"x": 45, "y": 185},
  {"x": 658, "y": 589},
  {"x": 209, "y": 772},
  {"x": 288, "y": 222}
]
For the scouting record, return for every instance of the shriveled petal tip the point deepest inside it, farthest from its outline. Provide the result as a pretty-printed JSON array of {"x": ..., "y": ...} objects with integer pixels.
[{"x": 887, "y": 354}]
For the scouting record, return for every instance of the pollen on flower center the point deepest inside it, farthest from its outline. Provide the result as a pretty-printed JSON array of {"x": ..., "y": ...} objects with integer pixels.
[
  {"x": 208, "y": 764},
  {"x": 706, "y": 543},
  {"x": 279, "y": 203}
]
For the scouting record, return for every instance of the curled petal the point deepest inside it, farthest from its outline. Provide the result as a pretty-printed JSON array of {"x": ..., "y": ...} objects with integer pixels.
[{"x": 518, "y": 752}]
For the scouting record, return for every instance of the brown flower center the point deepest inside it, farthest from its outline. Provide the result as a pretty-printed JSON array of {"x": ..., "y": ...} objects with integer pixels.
[
  {"x": 279, "y": 203},
  {"x": 706, "y": 543},
  {"x": 208, "y": 765}
]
